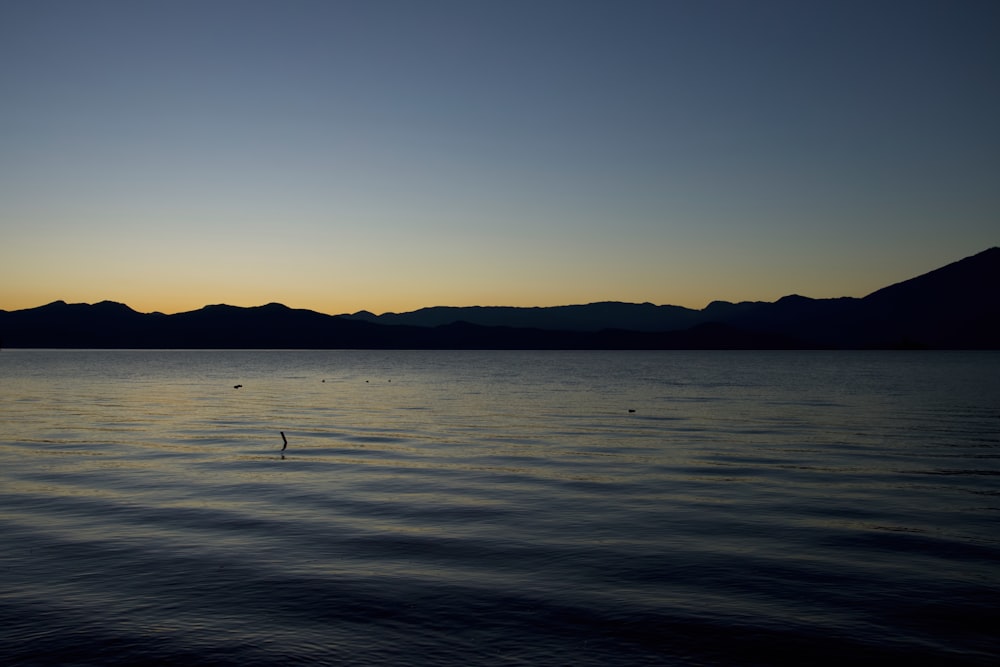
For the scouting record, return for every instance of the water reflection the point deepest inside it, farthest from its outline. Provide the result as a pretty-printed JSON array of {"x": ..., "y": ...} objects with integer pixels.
[{"x": 497, "y": 503}]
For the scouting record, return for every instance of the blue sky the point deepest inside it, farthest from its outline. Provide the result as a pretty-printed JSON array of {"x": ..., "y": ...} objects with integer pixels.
[{"x": 392, "y": 155}]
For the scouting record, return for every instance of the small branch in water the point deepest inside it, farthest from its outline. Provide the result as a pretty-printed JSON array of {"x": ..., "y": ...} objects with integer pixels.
[{"x": 285, "y": 440}]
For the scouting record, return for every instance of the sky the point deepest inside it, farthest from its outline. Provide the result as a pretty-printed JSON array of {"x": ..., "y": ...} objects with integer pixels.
[{"x": 390, "y": 155}]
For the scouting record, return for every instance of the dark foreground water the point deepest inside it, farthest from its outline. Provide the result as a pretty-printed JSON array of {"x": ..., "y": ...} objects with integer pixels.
[{"x": 493, "y": 508}]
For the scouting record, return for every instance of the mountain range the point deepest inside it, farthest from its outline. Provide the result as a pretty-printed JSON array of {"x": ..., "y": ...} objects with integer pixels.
[{"x": 954, "y": 307}]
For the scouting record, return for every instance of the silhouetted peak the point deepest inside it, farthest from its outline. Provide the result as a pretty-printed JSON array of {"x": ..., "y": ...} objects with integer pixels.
[
  {"x": 724, "y": 310},
  {"x": 113, "y": 306},
  {"x": 792, "y": 299},
  {"x": 622, "y": 305},
  {"x": 952, "y": 281},
  {"x": 273, "y": 307},
  {"x": 101, "y": 306}
]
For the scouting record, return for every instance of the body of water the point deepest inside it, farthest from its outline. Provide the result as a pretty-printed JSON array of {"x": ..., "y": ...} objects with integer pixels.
[{"x": 495, "y": 508}]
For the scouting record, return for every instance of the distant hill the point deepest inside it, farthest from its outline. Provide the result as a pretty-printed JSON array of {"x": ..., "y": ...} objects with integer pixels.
[
  {"x": 954, "y": 307},
  {"x": 589, "y": 317}
]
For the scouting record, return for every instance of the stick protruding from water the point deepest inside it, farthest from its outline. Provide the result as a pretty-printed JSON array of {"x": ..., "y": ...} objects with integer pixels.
[{"x": 284, "y": 440}]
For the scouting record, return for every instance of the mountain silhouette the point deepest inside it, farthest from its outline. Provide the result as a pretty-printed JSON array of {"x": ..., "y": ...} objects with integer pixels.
[
  {"x": 954, "y": 307},
  {"x": 589, "y": 317}
]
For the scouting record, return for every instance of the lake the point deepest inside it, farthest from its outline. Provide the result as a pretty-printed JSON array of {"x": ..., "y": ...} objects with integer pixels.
[{"x": 499, "y": 507}]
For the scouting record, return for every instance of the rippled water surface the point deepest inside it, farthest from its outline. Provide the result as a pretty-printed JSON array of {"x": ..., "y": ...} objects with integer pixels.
[{"x": 528, "y": 508}]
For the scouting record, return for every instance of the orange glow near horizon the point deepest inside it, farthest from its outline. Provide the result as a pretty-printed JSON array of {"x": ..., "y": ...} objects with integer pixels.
[{"x": 338, "y": 295}]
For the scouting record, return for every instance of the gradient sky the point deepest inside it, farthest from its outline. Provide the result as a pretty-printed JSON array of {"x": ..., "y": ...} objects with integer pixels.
[{"x": 389, "y": 155}]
